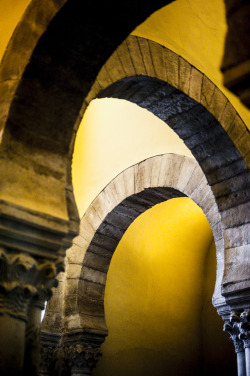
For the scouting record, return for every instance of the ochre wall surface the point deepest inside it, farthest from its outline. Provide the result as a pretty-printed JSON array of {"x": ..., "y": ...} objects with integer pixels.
[
  {"x": 113, "y": 135},
  {"x": 158, "y": 297}
]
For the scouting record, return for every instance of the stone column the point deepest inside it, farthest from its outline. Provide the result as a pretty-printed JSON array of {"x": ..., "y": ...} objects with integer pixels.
[
  {"x": 81, "y": 351},
  {"x": 22, "y": 279},
  {"x": 47, "y": 273},
  {"x": 245, "y": 336},
  {"x": 232, "y": 326}
]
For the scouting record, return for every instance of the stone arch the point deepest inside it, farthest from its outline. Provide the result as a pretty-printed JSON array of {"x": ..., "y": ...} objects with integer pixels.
[
  {"x": 81, "y": 289},
  {"x": 157, "y": 79}
]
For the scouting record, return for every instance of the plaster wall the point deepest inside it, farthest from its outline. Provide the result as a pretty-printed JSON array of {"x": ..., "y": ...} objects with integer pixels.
[{"x": 158, "y": 297}]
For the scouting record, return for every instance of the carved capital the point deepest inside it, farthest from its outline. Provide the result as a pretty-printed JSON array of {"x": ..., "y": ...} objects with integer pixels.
[
  {"x": 232, "y": 326},
  {"x": 245, "y": 327},
  {"x": 22, "y": 280},
  {"x": 82, "y": 356}
]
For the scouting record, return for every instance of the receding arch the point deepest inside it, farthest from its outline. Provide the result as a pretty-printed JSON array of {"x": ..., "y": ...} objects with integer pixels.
[
  {"x": 204, "y": 118},
  {"x": 81, "y": 289}
]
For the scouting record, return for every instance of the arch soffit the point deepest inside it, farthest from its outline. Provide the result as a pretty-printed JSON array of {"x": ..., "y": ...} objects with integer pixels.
[
  {"x": 135, "y": 190},
  {"x": 138, "y": 56},
  {"x": 221, "y": 145}
]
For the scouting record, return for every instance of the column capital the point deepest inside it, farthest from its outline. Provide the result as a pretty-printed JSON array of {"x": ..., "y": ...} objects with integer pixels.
[
  {"x": 24, "y": 279},
  {"x": 245, "y": 327},
  {"x": 232, "y": 326}
]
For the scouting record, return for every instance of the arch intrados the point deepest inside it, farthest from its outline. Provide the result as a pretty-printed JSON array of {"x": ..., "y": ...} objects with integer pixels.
[
  {"x": 52, "y": 60},
  {"x": 131, "y": 193}
]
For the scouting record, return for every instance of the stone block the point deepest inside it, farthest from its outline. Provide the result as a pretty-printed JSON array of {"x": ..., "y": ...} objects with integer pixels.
[
  {"x": 76, "y": 254},
  {"x": 86, "y": 230},
  {"x": 142, "y": 175},
  {"x": 218, "y": 103},
  {"x": 196, "y": 78},
  {"x": 92, "y": 275},
  {"x": 166, "y": 165},
  {"x": 173, "y": 173},
  {"x": 112, "y": 230},
  {"x": 71, "y": 286},
  {"x": 194, "y": 181},
  {"x": 102, "y": 205},
  {"x": 217, "y": 231},
  {"x": 237, "y": 236},
  {"x": 126, "y": 60},
  {"x": 237, "y": 129},
  {"x": 93, "y": 322},
  {"x": 243, "y": 145},
  {"x": 97, "y": 262},
  {"x": 121, "y": 220},
  {"x": 129, "y": 181},
  {"x": 213, "y": 216},
  {"x": 81, "y": 242},
  {"x": 208, "y": 201},
  {"x": 71, "y": 305},
  {"x": 234, "y": 184},
  {"x": 105, "y": 241},
  {"x": 91, "y": 307},
  {"x": 136, "y": 56},
  {"x": 158, "y": 60},
  {"x": 171, "y": 61},
  {"x": 73, "y": 271},
  {"x": 110, "y": 196},
  {"x": 91, "y": 289},
  {"x": 207, "y": 92},
  {"x": 155, "y": 170},
  {"x": 237, "y": 264},
  {"x": 92, "y": 217},
  {"x": 227, "y": 116},
  {"x": 236, "y": 216},
  {"x": 120, "y": 189},
  {"x": 103, "y": 78},
  {"x": 146, "y": 56},
  {"x": 114, "y": 67},
  {"x": 185, "y": 73},
  {"x": 200, "y": 191}
]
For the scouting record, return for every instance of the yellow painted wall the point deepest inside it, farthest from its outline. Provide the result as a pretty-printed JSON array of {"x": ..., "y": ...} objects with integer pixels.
[
  {"x": 154, "y": 296},
  {"x": 114, "y": 135},
  {"x": 195, "y": 30}
]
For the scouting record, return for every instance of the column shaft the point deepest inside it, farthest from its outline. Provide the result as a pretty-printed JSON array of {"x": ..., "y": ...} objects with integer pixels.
[{"x": 12, "y": 340}]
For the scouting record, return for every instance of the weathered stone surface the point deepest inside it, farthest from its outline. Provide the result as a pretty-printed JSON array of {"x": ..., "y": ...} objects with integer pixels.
[
  {"x": 158, "y": 60},
  {"x": 97, "y": 262},
  {"x": 207, "y": 92},
  {"x": 195, "y": 84},
  {"x": 228, "y": 116},
  {"x": 237, "y": 236},
  {"x": 136, "y": 56},
  {"x": 75, "y": 254},
  {"x": 147, "y": 57},
  {"x": 237, "y": 263},
  {"x": 171, "y": 65},
  {"x": 236, "y": 216},
  {"x": 90, "y": 289},
  {"x": 129, "y": 182},
  {"x": 172, "y": 175},
  {"x": 243, "y": 145},
  {"x": 185, "y": 73},
  {"x": 155, "y": 171},
  {"x": 73, "y": 270},
  {"x": 218, "y": 103},
  {"x": 166, "y": 164},
  {"x": 142, "y": 175},
  {"x": 86, "y": 230},
  {"x": 92, "y": 275},
  {"x": 237, "y": 129}
]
